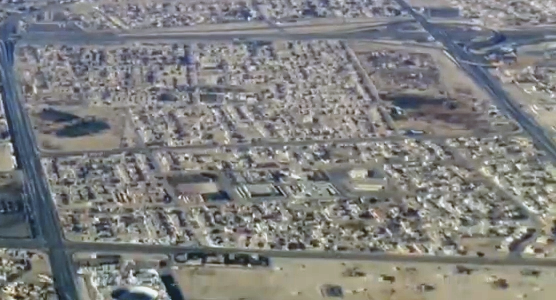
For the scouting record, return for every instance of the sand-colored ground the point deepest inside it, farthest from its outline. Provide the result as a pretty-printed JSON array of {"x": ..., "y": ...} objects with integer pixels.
[
  {"x": 484, "y": 245},
  {"x": 81, "y": 8},
  {"x": 430, "y": 3},
  {"x": 303, "y": 280},
  {"x": 120, "y": 134},
  {"x": 537, "y": 104},
  {"x": 454, "y": 84},
  {"x": 302, "y": 27},
  {"x": 524, "y": 61},
  {"x": 433, "y": 127},
  {"x": 40, "y": 266},
  {"x": 7, "y": 163},
  {"x": 11, "y": 184},
  {"x": 453, "y": 78}
]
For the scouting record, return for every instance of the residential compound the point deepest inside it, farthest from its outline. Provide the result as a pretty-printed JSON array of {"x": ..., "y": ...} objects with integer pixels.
[
  {"x": 236, "y": 136},
  {"x": 286, "y": 145}
]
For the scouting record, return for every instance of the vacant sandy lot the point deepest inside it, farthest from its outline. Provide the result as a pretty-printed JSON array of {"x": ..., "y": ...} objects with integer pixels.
[
  {"x": 454, "y": 80},
  {"x": 39, "y": 262},
  {"x": 6, "y": 159},
  {"x": 430, "y": 3},
  {"x": 119, "y": 134},
  {"x": 303, "y": 280},
  {"x": 536, "y": 103},
  {"x": 429, "y": 113}
]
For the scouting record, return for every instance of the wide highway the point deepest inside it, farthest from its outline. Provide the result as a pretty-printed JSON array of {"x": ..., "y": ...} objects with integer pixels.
[
  {"x": 110, "y": 39},
  {"x": 39, "y": 200},
  {"x": 394, "y": 30},
  {"x": 270, "y": 144},
  {"x": 485, "y": 80}
]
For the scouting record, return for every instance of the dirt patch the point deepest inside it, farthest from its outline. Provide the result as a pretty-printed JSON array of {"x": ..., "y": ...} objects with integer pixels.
[
  {"x": 313, "y": 279},
  {"x": 81, "y": 8},
  {"x": 430, "y": 3},
  {"x": 524, "y": 61},
  {"x": 452, "y": 79},
  {"x": 39, "y": 265},
  {"x": 488, "y": 246},
  {"x": 425, "y": 91},
  {"x": 435, "y": 115},
  {"x": 7, "y": 159},
  {"x": 81, "y": 129}
]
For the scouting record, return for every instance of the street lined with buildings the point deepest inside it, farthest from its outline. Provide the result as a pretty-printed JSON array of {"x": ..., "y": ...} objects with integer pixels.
[{"x": 297, "y": 142}]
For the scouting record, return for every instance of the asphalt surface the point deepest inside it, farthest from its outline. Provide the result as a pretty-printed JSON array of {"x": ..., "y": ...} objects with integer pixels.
[
  {"x": 268, "y": 144},
  {"x": 119, "y": 248},
  {"x": 395, "y": 31},
  {"x": 40, "y": 205}
]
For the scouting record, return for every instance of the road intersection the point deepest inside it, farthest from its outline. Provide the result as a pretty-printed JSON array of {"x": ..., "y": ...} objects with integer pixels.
[{"x": 43, "y": 215}]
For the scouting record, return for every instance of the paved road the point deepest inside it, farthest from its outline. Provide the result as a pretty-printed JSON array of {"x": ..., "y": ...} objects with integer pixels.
[
  {"x": 48, "y": 227},
  {"x": 37, "y": 192},
  {"x": 46, "y": 38},
  {"x": 394, "y": 31},
  {"x": 485, "y": 80},
  {"x": 436, "y": 138},
  {"x": 109, "y": 248}
]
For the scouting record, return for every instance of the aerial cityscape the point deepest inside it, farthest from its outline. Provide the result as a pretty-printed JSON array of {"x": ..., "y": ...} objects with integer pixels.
[{"x": 277, "y": 149}]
